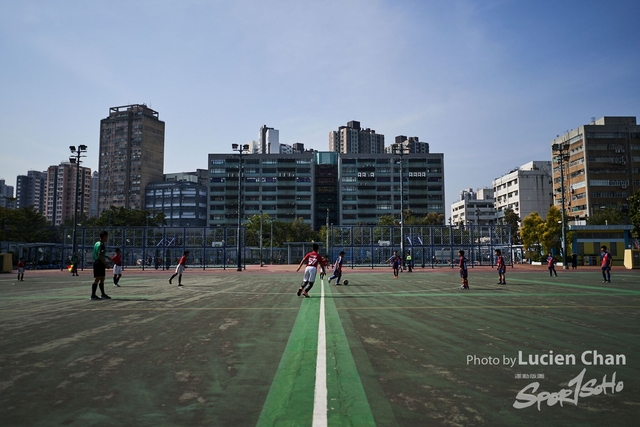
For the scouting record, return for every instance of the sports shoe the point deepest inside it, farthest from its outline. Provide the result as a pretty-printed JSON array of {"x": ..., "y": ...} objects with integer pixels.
[
  {"x": 105, "y": 296},
  {"x": 330, "y": 279},
  {"x": 95, "y": 298},
  {"x": 461, "y": 287},
  {"x": 338, "y": 284},
  {"x": 306, "y": 295},
  {"x": 115, "y": 285},
  {"x": 299, "y": 291},
  {"x": 180, "y": 285}
]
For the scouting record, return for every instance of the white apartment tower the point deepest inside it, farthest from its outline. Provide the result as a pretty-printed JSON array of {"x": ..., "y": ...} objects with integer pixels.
[{"x": 525, "y": 190}]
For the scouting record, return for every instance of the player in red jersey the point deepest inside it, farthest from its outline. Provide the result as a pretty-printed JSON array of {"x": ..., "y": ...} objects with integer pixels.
[
  {"x": 117, "y": 268},
  {"x": 182, "y": 264},
  {"x": 21, "y": 267},
  {"x": 313, "y": 260},
  {"x": 605, "y": 256},
  {"x": 502, "y": 267}
]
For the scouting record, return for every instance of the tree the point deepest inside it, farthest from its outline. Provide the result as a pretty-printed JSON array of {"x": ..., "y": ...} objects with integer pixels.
[
  {"x": 611, "y": 215},
  {"x": 552, "y": 233},
  {"x": 26, "y": 225},
  {"x": 512, "y": 219},
  {"x": 634, "y": 213},
  {"x": 123, "y": 217},
  {"x": 531, "y": 231},
  {"x": 387, "y": 220}
]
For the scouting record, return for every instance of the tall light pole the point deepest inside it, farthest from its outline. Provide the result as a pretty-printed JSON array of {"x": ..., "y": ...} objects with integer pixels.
[
  {"x": 260, "y": 237},
  {"x": 560, "y": 158},
  {"x": 76, "y": 155},
  {"x": 240, "y": 149},
  {"x": 399, "y": 149}
]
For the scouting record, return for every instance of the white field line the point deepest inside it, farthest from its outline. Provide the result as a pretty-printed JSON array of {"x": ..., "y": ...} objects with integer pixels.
[{"x": 320, "y": 393}]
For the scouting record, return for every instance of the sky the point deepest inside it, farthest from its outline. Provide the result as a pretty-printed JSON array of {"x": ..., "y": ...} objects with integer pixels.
[{"x": 488, "y": 83}]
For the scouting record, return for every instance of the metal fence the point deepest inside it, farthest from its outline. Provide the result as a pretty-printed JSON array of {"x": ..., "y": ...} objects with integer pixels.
[
  {"x": 429, "y": 246},
  {"x": 216, "y": 247}
]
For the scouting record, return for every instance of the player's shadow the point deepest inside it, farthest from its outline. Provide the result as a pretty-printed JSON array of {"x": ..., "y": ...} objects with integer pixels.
[{"x": 119, "y": 300}]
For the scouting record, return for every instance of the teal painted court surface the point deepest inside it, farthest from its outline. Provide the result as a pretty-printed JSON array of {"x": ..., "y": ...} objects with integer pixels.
[{"x": 239, "y": 349}]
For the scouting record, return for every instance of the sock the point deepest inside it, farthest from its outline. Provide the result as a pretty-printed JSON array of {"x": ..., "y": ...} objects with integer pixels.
[
  {"x": 94, "y": 287},
  {"x": 179, "y": 279},
  {"x": 309, "y": 286},
  {"x": 102, "y": 287}
]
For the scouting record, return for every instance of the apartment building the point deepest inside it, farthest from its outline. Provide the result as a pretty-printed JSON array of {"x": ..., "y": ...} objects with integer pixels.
[
  {"x": 351, "y": 188},
  {"x": 60, "y": 192},
  {"x": 599, "y": 164},
  {"x": 351, "y": 139},
  {"x": 30, "y": 190},
  {"x": 524, "y": 190},
  {"x": 131, "y": 155},
  {"x": 474, "y": 208}
]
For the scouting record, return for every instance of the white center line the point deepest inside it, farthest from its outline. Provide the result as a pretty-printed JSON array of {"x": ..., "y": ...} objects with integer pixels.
[{"x": 320, "y": 393}]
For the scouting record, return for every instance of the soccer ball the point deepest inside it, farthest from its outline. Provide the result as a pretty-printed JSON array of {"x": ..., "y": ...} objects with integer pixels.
[{"x": 346, "y": 282}]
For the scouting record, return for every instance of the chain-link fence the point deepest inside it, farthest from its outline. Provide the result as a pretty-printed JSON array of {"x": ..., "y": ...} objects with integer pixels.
[{"x": 217, "y": 247}]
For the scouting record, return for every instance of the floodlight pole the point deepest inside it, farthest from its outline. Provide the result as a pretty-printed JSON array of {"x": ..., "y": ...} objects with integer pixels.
[
  {"x": 562, "y": 156},
  {"x": 240, "y": 149},
  {"x": 75, "y": 158}
]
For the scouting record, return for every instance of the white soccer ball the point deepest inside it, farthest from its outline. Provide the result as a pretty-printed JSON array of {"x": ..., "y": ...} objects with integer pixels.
[{"x": 346, "y": 282}]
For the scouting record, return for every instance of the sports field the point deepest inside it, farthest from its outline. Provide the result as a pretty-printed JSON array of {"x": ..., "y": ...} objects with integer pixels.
[{"x": 241, "y": 349}]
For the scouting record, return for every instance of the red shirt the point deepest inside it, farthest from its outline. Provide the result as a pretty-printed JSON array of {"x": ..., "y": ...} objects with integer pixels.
[
  {"x": 116, "y": 259},
  {"x": 313, "y": 259},
  {"x": 606, "y": 259},
  {"x": 21, "y": 264},
  {"x": 183, "y": 260}
]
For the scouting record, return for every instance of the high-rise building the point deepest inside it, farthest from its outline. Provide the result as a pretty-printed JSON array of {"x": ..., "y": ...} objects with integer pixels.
[
  {"x": 30, "y": 190},
  {"x": 410, "y": 145},
  {"x": 351, "y": 139},
  {"x": 355, "y": 188},
  {"x": 131, "y": 155},
  {"x": 524, "y": 190},
  {"x": 60, "y": 192},
  {"x": 474, "y": 208},
  {"x": 601, "y": 167},
  {"x": 268, "y": 137},
  {"x": 369, "y": 186},
  {"x": 6, "y": 195}
]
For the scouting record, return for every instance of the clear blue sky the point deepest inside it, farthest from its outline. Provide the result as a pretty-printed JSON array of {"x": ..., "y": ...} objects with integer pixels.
[{"x": 487, "y": 83}]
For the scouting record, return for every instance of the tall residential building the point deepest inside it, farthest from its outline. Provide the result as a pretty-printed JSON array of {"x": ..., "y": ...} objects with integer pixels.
[
  {"x": 30, "y": 190},
  {"x": 6, "y": 195},
  {"x": 351, "y": 139},
  {"x": 602, "y": 168},
  {"x": 355, "y": 188},
  {"x": 369, "y": 186},
  {"x": 61, "y": 192},
  {"x": 411, "y": 145},
  {"x": 474, "y": 208},
  {"x": 268, "y": 137},
  {"x": 524, "y": 190},
  {"x": 131, "y": 155}
]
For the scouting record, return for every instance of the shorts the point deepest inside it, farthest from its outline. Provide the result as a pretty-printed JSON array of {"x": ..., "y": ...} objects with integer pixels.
[
  {"x": 310, "y": 274},
  {"x": 502, "y": 270},
  {"x": 179, "y": 269},
  {"x": 464, "y": 274},
  {"x": 337, "y": 273},
  {"x": 606, "y": 268},
  {"x": 117, "y": 269},
  {"x": 99, "y": 269},
  {"x": 20, "y": 270}
]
